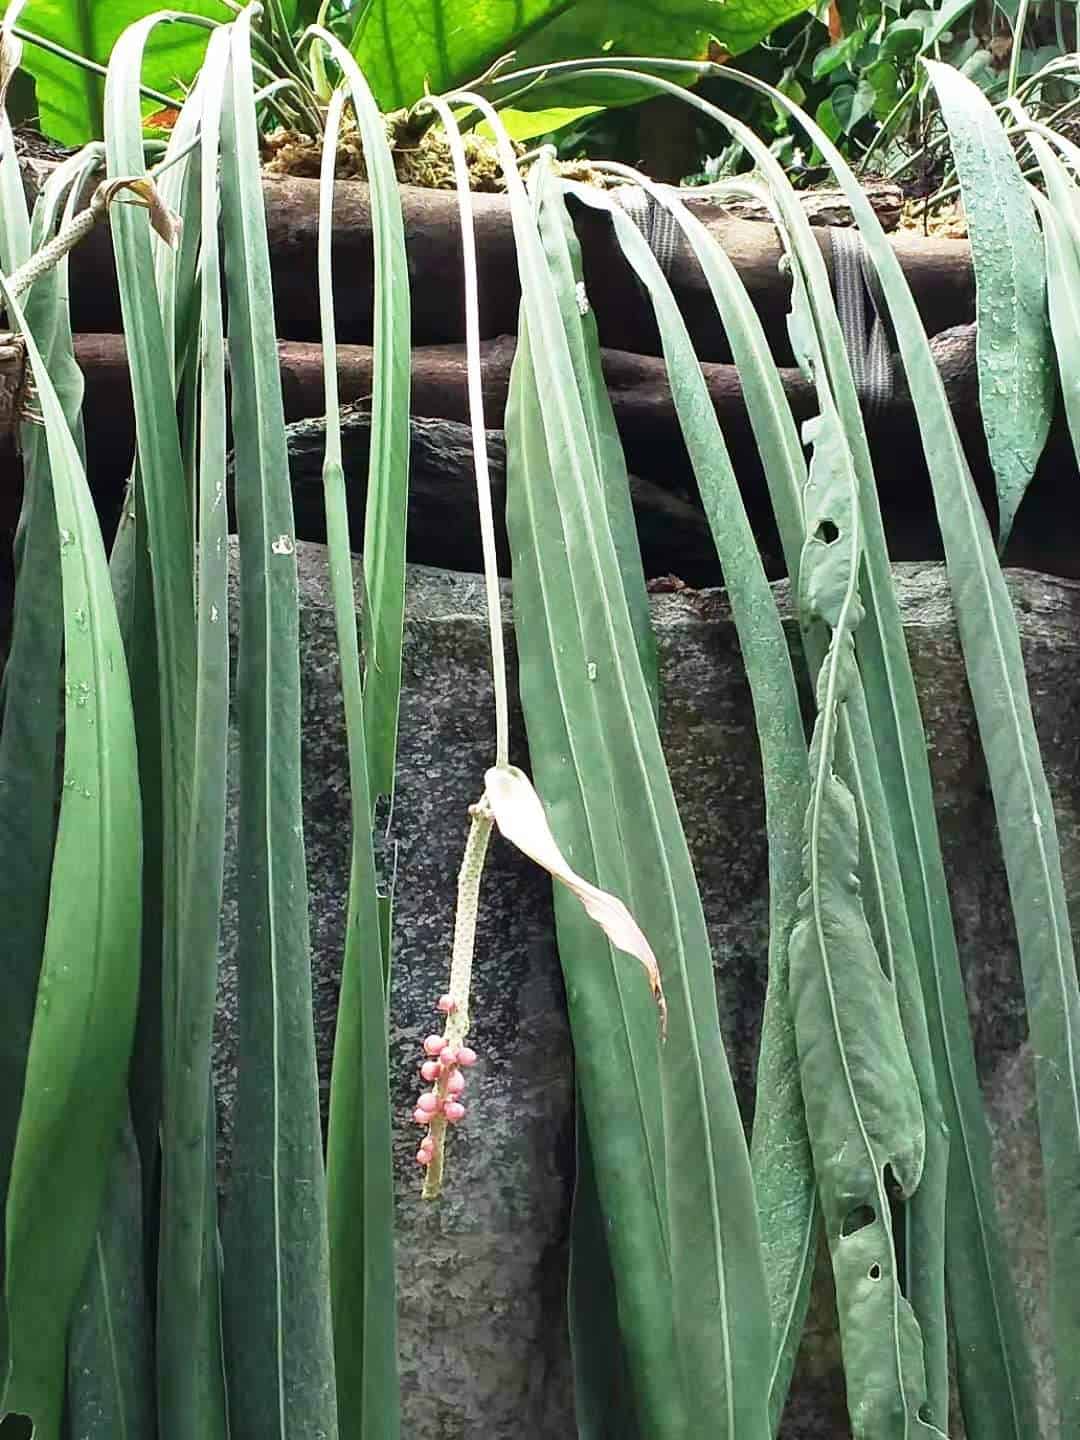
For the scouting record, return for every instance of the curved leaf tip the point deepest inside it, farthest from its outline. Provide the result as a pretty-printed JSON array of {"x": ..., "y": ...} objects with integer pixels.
[{"x": 519, "y": 813}]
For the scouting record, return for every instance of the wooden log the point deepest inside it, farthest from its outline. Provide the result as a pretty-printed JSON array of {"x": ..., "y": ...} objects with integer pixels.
[
  {"x": 647, "y": 424},
  {"x": 939, "y": 271},
  {"x": 443, "y": 523},
  {"x": 637, "y": 384}
]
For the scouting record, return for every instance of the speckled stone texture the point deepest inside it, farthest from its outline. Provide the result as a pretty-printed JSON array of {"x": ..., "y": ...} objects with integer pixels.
[{"x": 482, "y": 1274}]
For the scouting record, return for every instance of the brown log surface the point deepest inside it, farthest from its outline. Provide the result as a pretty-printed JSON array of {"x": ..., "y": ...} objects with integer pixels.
[
  {"x": 938, "y": 270},
  {"x": 637, "y": 384},
  {"x": 649, "y": 429}
]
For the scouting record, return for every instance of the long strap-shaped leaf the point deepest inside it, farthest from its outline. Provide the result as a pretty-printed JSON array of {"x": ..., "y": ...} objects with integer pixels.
[
  {"x": 387, "y": 492},
  {"x": 110, "y": 1389},
  {"x": 388, "y": 479},
  {"x": 783, "y": 1169},
  {"x": 862, "y": 1100},
  {"x": 765, "y": 653},
  {"x": 884, "y": 1389},
  {"x": 190, "y": 1378},
  {"x": 191, "y": 668},
  {"x": 279, "y": 1348},
  {"x": 603, "y": 1396},
  {"x": 624, "y": 820},
  {"x": 782, "y": 1164},
  {"x": 77, "y": 1067},
  {"x": 816, "y": 335},
  {"x": 110, "y": 1377},
  {"x": 563, "y": 253},
  {"x": 617, "y": 1067},
  {"x": 1014, "y": 348},
  {"x": 982, "y": 1297},
  {"x": 29, "y": 717},
  {"x": 1059, "y": 211},
  {"x": 995, "y": 669},
  {"x": 360, "y": 1181}
]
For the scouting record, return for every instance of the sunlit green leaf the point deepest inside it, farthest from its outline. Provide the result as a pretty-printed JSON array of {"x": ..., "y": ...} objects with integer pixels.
[
  {"x": 402, "y": 43},
  {"x": 407, "y": 46},
  {"x": 71, "y": 99}
]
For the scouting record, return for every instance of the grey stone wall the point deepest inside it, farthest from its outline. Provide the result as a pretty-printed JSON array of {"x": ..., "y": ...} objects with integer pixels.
[{"x": 490, "y": 1258}]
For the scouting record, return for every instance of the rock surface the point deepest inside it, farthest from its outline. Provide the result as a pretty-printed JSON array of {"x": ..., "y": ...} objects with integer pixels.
[{"x": 482, "y": 1274}]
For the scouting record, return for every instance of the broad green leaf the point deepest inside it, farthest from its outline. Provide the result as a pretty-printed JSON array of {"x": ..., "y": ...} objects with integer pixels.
[
  {"x": 681, "y": 28},
  {"x": 110, "y": 1393},
  {"x": 359, "y": 1169},
  {"x": 1015, "y": 361},
  {"x": 405, "y": 45},
  {"x": 71, "y": 99},
  {"x": 84, "y": 1015},
  {"x": 994, "y": 663},
  {"x": 685, "y": 1254},
  {"x": 528, "y": 124},
  {"x": 278, "y": 1340},
  {"x": 943, "y": 20}
]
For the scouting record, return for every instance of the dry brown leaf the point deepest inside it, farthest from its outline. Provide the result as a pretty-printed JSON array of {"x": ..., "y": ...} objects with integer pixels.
[{"x": 519, "y": 814}]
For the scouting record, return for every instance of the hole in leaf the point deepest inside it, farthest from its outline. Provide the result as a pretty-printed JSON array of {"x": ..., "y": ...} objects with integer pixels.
[
  {"x": 827, "y": 532},
  {"x": 874, "y": 1273},
  {"x": 16, "y": 1427},
  {"x": 924, "y": 1413},
  {"x": 857, "y": 1219}
]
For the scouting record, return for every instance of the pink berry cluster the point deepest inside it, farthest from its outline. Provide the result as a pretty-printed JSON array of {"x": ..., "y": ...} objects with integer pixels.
[{"x": 442, "y": 1071}]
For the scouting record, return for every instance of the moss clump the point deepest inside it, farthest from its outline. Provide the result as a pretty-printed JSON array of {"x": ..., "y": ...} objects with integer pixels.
[{"x": 421, "y": 157}]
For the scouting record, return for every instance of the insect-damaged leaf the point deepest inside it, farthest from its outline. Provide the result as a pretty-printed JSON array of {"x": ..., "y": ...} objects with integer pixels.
[{"x": 862, "y": 1102}]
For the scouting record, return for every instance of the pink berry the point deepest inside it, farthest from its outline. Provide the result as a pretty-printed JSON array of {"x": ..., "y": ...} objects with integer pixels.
[
  {"x": 466, "y": 1056},
  {"x": 447, "y": 1004},
  {"x": 454, "y": 1111},
  {"x": 456, "y": 1083},
  {"x": 428, "y": 1102},
  {"x": 434, "y": 1045},
  {"x": 421, "y": 1116},
  {"x": 423, "y": 1157},
  {"x": 448, "y": 1055},
  {"x": 430, "y": 1070}
]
